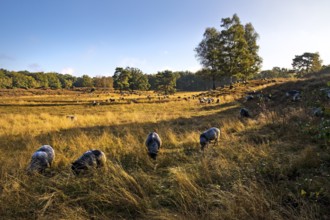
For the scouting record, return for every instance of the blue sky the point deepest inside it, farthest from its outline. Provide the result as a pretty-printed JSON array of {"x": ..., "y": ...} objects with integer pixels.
[{"x": 95, "y": 36}]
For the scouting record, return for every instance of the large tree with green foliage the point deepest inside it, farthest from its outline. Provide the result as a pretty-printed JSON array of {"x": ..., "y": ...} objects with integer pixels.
[
  {"x": 233, "y": 51},
  {"x": 166, "y": 82},
  {"x": 5, "y": 81},
  {"x": 130, "y": 79},
  {"x": 121, "y": 79},
  {"x": 137, "y": 80},
  {"x": 307, "y": 62},
  {"x": 103, "y": 81}
]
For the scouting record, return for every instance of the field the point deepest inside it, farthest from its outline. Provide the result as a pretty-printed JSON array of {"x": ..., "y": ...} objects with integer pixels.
[{"x": 274, "y": 165}]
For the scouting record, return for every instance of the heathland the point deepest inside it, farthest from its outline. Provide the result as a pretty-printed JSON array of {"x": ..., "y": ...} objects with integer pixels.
[{"x": 273, "y": 165}]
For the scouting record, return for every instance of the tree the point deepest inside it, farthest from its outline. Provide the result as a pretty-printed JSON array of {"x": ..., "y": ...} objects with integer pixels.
[
  {"x": 53, "y": 81},
  {"x": 5, "y": 81},
  {"x": 166, "y": 82},
  {"x": 22, "y": 81},
  {"x": 41, "y": 79},
  {"x": 306, "y": 63},
  {"x": 251, "y": 37},
  {"x": 103, "y": 82},
  {"x": 84, "y": 81},
  {"x": 121, "y": 79},
  {"x": 137, "y": 80},
  {"x": 231, "y": 52},
  {"x": 66, "y": 80},
  {"x": 130, "y": 78},
  {"x": 208, "y": 55}
]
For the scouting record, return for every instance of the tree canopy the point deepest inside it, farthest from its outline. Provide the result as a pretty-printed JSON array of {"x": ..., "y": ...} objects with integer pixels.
[
  {"x": 307, "y": 63},
  {"x": 233, "y": 51},
  {"x": 166, "y": 82},
  {"x": 130, "y": 79}
]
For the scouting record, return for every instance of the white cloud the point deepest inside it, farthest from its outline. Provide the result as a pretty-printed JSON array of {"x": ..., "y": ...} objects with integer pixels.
[{"x": 67, "y": 70}]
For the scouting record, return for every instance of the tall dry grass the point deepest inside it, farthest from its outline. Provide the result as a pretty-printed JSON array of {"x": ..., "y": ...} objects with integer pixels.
[{"x": 246, "y": 176}]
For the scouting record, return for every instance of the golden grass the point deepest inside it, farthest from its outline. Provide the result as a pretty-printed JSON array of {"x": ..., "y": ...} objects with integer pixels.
[{"x": 253, "y": 173}]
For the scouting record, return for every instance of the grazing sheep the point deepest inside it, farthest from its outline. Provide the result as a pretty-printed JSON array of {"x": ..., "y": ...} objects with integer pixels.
[
  {"x": 72, "y": 117},
  {"x": 153, "y": 143},
  {"x": 296, "y": 97},
  {"x": 207, "y": 136},
  {"x": 318, "y": 112},
  {"x": 41, "y": 159},
  {"x": 292, "y": 92},
  {"x": 244, "y": 112},
  {"x": 89, "y": 160},
  {"x": 249, "y": 97}
]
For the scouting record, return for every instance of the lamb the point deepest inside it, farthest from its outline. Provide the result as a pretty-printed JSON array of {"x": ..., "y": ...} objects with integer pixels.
[
  {"x": 153, "y": 143},
  {"x": 41, "y": 159},
  {"x": 89, "y": 160},
  {"x": 207, "y": 136}
]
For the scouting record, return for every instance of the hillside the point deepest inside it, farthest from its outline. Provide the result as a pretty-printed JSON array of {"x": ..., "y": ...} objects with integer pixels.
[{"x": 273, "y": 165}]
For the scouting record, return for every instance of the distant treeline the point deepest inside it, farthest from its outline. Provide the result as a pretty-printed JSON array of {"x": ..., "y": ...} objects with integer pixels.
[
  {"x": 184, "y": 81},
  {"x": 130, "y": 79}
]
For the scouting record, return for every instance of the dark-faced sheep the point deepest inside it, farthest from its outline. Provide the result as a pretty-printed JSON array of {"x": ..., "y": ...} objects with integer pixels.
[
  {"x": 244, "y": 113},
  {"x": 212, "y": 134},
  {"x": 41, "y": 159},
  {"x": 89, "y": 160},
  {"x": 153, "y": 143}
]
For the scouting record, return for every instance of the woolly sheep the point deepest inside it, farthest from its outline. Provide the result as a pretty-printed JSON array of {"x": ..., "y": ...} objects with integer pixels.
[
  {"x": 153, "y": 143},
  {"x": 89, "y": 160},
  {"x": 244, "y": 112},
  {"x": 41, "y": 159},
  {"x": 207, "y": 136}
]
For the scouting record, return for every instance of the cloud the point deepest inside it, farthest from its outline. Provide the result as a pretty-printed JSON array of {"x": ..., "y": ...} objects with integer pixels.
[
  {"x": 67, "y": 70},
  {"x": 6, "y": 57},
  {"x": 34, "y": 67}
]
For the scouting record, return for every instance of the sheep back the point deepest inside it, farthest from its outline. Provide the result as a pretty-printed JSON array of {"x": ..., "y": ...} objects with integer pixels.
[{"x": 153, "y": 143}]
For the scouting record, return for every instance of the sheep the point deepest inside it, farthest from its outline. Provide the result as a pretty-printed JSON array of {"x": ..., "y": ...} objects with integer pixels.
[
  {"x": 244, "y": 112},
  {"x": 72, "y": 117},
  {"x": 153, "y": 143},
  {"x": 249, "y": 97},
  {"x": 318, "y": 112},
  {"x": 89, "y": 160},
  {"x": 292, "y": 92},
  {"x": 207, "y": 136},
  {"x": 41, "y": 159}
]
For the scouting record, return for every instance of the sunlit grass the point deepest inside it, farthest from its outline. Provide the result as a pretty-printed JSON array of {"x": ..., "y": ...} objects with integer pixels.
[{"x": 248, "y": 175}]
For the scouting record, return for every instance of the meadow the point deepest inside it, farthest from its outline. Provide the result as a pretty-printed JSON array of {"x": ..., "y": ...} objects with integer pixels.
[{"x": 274, "y": 165}]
